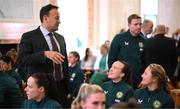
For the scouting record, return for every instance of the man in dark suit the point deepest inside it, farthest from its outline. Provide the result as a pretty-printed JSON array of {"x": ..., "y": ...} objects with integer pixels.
[
  {"x": 36, "y": 50},
  {"x": 162, "y": 50}
]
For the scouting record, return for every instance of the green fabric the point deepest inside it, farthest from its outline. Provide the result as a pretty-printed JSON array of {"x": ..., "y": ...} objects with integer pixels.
[
  {"x": 44, "y": 103},
  {"x": 117, "y": 92},
  {"x": 16, "y": 76},
  {"x": 102, "y": 63},
  {"x": 10, "y": 93},
  {"x": 76, "y": 79},
  {"x": 153, "y": 99},
  {"x": 99, "y": 77}
]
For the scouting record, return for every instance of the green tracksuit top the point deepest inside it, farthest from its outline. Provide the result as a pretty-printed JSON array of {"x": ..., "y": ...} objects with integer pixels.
[
  {"x": 117, "y": 92},
  {"x": 10, "y": 92},
  {"x": 76, "y": 79},
  {"x": 46, "y": 103},
  {"x": 126, "y": 47},
  {"x": 153, "y": 99}
]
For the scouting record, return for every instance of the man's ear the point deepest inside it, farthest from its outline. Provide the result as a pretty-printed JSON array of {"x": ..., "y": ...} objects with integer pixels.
[{"x": 45, "y": 17}]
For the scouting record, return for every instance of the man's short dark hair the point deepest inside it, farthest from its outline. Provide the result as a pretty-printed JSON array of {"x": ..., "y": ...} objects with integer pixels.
[
  {"x": 45, "y": 10},
  {"x": 133, "y": 16}
]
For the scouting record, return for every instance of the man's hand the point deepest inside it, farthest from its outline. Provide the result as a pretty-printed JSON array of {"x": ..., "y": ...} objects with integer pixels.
[{"x": 55, "y": 56}]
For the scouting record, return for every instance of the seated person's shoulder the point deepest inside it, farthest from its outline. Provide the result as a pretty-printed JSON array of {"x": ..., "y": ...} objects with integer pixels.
[{"x": 140, "y": 91}]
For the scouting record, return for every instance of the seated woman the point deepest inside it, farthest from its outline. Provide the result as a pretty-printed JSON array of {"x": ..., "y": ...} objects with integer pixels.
[
  {"x": 7, "y": 63},
  {"x": 87, "y": 64},
  {"x": 89, "y": 97},
  {"x": 76, "y": 75},
  {"x": 15, "y": 66},
  {"x": 41, "y": 92},
  {"x": 118, "y": 89},
  {"x": 101, "y": 67},
  {"x": 10, "y": 92},
  {"x": 155, "y": 93}
]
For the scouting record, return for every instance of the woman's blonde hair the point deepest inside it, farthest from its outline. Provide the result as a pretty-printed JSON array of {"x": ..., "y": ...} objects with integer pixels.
[
  {"x": 159, "y": 72},
  {"x": 13, "y": 54},
  {"x": 84, "y": 91}
]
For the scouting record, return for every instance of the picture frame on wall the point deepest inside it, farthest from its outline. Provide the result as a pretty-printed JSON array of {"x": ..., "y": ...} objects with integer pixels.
[
  {"x": 17, "y": 17},
  {"x": 13, "y": 10}
]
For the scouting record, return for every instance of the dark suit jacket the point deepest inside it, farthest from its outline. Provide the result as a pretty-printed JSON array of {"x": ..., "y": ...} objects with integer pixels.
[
  {"x": 178, "y": 47},
  {"x": 162, "y": 50},
  {"x": 31, "y": 53}
]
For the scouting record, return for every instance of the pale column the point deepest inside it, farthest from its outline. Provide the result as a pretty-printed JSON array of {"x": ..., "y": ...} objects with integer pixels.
[
  {"x": 119, "y": 10},
  {"x": 110, "y": 16},
  {"x": 169, "y": 14},
  {"x": 100, "y": 22}
]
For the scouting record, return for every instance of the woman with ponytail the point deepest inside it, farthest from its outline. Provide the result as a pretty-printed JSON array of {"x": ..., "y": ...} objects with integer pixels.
[
  {"x": 41, "y": 92},
  {"x": 89, "y": 97},
  {"x": 155, "y": 93}
]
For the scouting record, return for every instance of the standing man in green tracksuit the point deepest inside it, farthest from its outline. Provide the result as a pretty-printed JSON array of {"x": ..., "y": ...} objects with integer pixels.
[{"x": 129, "y": 46}]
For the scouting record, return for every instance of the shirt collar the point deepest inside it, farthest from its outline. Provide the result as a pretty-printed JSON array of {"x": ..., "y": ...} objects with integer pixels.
[{"x": 44, "y": 30}]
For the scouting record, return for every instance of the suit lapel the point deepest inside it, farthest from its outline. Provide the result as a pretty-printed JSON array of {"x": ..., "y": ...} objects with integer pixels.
[{"x": 41, "y": 39}]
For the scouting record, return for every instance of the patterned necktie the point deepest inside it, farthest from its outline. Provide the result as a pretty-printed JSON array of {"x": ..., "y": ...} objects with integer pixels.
[{"x": 57, "y": 66}]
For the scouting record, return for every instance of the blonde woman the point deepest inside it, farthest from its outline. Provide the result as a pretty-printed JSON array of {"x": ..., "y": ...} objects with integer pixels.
[{"x": 89, "y": 97}]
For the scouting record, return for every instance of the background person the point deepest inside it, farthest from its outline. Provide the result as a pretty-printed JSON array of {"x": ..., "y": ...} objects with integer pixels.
[
  {"x": 162, "y": 50},
  {"x": 88, "y": 62},
  {"x": 76, "y": 75},
  {"x": 147, "y": 28},
  {"x": 101, "y": 67},
  {"x": 10, "y": 93},
  {"x": 7, "y": 64}
]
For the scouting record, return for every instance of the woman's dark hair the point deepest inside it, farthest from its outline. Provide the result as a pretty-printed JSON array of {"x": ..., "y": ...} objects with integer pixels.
[
  {"x": 45, "y": 10},
  {"x": 128, "y": 72},
  {"x": 47, "y": 81},
  {"x": 13, "y": 54},
  {"x": 86, "y": 54},
  {"x": 7, "y": 59},
  {"x": 76, "y": 54}
]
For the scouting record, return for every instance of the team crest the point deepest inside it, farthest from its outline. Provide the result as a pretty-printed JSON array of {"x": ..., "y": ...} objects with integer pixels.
[
  {"x": 157, "y": 104},
  {"x": 73, "y": 75},
  {"x": 141, "y": 45},
  {"x": 119, "y": 94}
]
